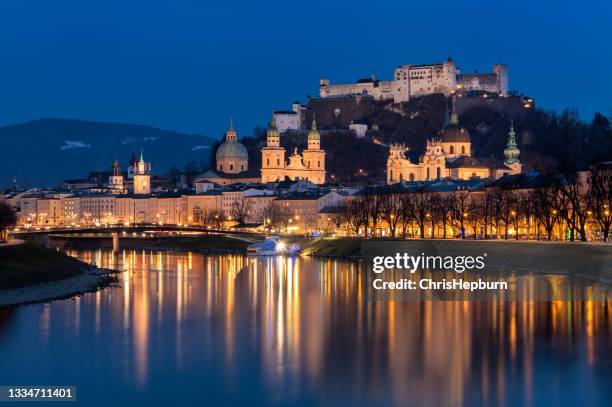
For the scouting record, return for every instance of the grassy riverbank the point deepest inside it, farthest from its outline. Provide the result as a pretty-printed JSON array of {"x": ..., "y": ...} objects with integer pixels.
[
  {"x": 28, "y": 264},
  {"x": 342, "y": 247},
  {"x": 588, "y": 259}
]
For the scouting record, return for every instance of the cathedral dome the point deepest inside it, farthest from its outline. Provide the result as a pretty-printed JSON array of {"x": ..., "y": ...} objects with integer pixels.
[
  {"x": 232, "y": 149},
  {"x": 454, "y": 133}
]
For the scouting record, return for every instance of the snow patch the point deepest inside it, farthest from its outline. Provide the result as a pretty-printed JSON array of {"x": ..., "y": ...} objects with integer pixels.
[{"x": 72, "y": 144}]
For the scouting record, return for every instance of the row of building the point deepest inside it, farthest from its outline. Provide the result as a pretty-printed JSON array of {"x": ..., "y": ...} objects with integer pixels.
[{"x": 296, "y": 204}]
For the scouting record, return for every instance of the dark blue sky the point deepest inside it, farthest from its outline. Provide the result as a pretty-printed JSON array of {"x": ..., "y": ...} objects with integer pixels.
[{"x": 189, "y": 65}]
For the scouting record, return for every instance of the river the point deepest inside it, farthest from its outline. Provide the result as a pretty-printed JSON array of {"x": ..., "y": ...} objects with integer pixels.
[{"x": 185, "y": 328}]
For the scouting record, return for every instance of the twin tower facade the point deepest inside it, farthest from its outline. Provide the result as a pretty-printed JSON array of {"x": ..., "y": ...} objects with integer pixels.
[{"x": 309, "y": 165}]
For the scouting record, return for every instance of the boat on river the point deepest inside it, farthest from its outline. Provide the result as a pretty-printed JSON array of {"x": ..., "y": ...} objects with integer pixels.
[{"x": 273, "y": 246}]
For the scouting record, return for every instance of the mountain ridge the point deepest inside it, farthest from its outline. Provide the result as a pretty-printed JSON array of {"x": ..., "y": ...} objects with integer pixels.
[{"x": 44, "y": 151}]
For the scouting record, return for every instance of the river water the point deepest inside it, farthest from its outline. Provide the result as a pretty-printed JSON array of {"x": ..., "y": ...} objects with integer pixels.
[{"x": 185, "y": 328}]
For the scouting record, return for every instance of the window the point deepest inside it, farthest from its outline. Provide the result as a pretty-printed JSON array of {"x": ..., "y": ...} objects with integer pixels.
[
  {"x": 462, "y": 149},
  {"x": 231, "y": 167},
  {"x": 220, "y": 167},
  {"x": 438, "y": 172},
  {"x": 319, "y": 164},
  {"x": 242, "y": 167},
  {"x": 278, "y": 161},
  {"x": 391, "y": 175},
  {"x": 452, "y": 149},
  {"x": 411, "y": 177},
  {"x": 268, "y": 162},
  {"x": 427, "y": 172}
]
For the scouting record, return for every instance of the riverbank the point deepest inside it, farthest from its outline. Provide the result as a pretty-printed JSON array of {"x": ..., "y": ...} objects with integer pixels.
[
  {"x": 592, "y": 260},
  {"x": 30, "y": 273},
  {"x": 341, "y": 247}
]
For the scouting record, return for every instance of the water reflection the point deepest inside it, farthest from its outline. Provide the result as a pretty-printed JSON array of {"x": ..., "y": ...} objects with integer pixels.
[{"x": 289, "y": 331}]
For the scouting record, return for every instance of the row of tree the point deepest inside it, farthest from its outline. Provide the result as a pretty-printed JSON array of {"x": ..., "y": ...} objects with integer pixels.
[{"x": 560, "y": 207}]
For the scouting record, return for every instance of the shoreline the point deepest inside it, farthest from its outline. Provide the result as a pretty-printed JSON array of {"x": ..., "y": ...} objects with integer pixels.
[{"x": 91, "y": 280}]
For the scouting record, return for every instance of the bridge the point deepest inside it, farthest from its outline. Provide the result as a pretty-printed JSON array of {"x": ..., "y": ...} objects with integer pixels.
[
  {"x": 130, "y": 228},
  {"x": 115, "y": 230}
]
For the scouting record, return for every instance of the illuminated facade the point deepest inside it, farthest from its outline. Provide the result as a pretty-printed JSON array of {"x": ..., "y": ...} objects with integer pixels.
[
  {"x": 116, "y": 183},
  {"x": 142, "y": 177},
  {"x": 310, "y": 165},
  {"x": 450, "y": 156}
]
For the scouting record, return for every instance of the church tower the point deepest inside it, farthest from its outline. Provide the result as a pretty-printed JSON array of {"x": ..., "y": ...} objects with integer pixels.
[
  {"x": 115, "y": 180},
  {"x": 142, "y": 177},
  {"x": 314, "y": 157},
  {"x": 511, "y": 152},
  {"x": 272, "y": 156}
]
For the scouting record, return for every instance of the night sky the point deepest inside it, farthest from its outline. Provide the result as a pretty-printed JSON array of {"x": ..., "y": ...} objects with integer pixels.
[{"x": 189, "y": 65}]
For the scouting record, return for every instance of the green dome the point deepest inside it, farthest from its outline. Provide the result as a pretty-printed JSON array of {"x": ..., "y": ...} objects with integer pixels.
[
  {"x": 313, "y": 134},
  {"x": 272, "y": 129},
  {"x": 232, "y": 149}
]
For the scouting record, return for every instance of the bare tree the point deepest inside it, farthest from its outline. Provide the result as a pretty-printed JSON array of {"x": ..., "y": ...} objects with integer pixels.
[
  {"x": 340, "y": 215},
  {"x": 280, "y": 219},
  {"x": 406, "y": 211},
  {"x": 422, "y": 205},
  {"x": 526, "y": 209},
  {"x": 442, "y": 210},
  {"x": 7, "y": 220},
  {"x": 545, "y": 207},
  {"x": 601, "y": 184},
  {"x": 459, "y": 207},
  {"x": 373, "y": 206},
  {"x": 577, "y": 202},
  {"x": 390, "y": 207},
  {"x": 240, "y": 210}
]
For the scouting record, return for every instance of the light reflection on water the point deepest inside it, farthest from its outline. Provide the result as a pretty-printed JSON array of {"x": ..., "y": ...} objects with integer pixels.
[{"x": 270, "y": 331}]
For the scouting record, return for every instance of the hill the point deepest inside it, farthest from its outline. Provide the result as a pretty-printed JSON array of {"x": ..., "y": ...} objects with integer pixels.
[
  {"x": 44, "y": 152},
  {"x": 549, "y": 142}
]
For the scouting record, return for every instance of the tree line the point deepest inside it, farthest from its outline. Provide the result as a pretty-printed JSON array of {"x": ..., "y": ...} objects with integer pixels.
[{"x": 560, "y": 207}]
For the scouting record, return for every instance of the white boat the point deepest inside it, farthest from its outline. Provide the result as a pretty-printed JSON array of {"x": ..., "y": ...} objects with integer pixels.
[{"x": 272, "y": 246}]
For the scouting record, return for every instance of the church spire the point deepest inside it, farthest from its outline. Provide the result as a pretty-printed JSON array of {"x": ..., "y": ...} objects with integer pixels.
[
  {"x": 313, "y": 134},
  {"x": 230, "y": 135},
  {"x": 272, "y": 136},
  {"x": 511, "y": 152},
  {"x": 454, "y": 120}
]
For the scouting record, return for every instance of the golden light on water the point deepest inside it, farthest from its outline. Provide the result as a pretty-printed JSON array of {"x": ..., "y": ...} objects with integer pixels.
[{"x": 302, "y": 316}]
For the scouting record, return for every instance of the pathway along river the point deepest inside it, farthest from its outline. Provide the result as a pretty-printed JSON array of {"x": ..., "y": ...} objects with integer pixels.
[{"x": 186, "y": 328}]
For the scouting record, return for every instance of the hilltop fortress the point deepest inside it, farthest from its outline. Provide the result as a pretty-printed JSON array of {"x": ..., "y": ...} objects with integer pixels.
[{"x": 418, "y": 80}]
